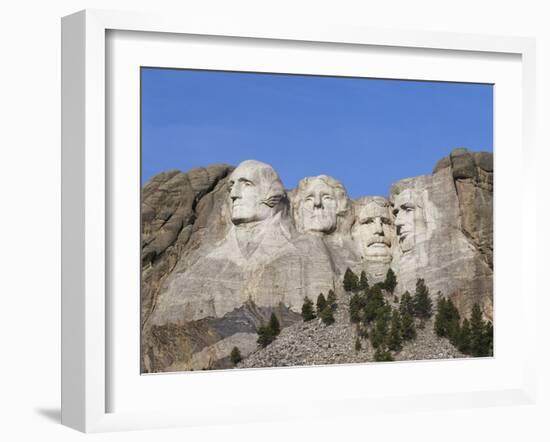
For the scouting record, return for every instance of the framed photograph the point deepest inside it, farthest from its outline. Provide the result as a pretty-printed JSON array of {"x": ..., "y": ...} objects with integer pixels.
[{"x": 251, "y": 212}]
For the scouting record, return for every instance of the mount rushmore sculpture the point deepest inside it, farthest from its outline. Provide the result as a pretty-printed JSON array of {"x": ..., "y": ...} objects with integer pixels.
[{"x": 224, "y": 247}]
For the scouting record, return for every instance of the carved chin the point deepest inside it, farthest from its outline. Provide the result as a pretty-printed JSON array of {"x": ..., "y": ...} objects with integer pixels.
[
  {"x": 244, "y": 214},
  {"x": 378, "y": 249},
  {"x": 378, "y": 253},
  {"x": 237, "y": 220},
  {"x": 406, "y": 243},
  {"x": 322, "y": 224},
  {"x": 239, "y": 216},
  {"x": 319, "y": 226}
]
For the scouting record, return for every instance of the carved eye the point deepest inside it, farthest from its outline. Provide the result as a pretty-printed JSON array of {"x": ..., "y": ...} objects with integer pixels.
[
  {"x": 385, "y": 220},
  {"x": 368, "y": 221},
  {"x": 246, "y": 182},
  {"x": 327, "y": 198},
  {"x": 395, "y": 212}
]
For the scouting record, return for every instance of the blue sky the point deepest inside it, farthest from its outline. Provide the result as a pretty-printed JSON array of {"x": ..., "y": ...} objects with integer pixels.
[{"x": 367, "y": 133}]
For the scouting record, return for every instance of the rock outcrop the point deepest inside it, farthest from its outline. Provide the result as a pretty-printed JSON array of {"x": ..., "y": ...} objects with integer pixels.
[{"x": 223, "y": 248}]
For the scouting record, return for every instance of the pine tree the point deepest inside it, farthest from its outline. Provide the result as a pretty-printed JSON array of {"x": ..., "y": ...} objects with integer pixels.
[
  {"x": 235, "y": 356},
  {"x": 265, "y": 336},
  {"x": 408, "y": 329},
  {"x": 478, "y": 343},
  {"x": 357, "y": 344},
  {"x": 395, "y": 332},
  {"x": 453, "y": 328},
  {"x": 382, "y": 355},
  {"x": 351, "y": 282},
  {"x": 355, "y": 306},
  {"x": 406, "y": 304},
  {"x": 421, "y": 300},
  {"x": 274, "y": 325},
  {"x": 379, "y": 334},
  {"x": 321, "y": 304},
  {"x": 464, "y": 340},
  {"x": 447, "y": 319},
  {"x": 307, "y": 310},
  {"x": 391, "y": 281},
  {"x": 362, "y": 331},
  {"x": 374, "y": 301},
  {"x": 440, "y": 325},
  {"x": 363, "y": 281},
  {"x": 331, "y": 300},
  {"x": 327, "y": 316},
  {"x": 268, "y": 333}
]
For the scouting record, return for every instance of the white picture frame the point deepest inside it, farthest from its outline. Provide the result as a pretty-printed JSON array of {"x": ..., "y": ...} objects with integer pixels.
[{"x": 87, "y": 210}]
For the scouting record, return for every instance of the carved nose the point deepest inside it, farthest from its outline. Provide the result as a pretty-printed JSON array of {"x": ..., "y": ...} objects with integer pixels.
[
  {"x": 398, "y": 220},
  {"x": 234, "y": 194},
  {"x": 317, "y": 202},
  {"x": 378, "y": 227}
]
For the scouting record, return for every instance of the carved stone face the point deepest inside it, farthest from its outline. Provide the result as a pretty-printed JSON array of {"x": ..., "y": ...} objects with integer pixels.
[
  {"x": 375, "y": 229},
  {"x": 409, "y": 219},
  {"x": 255, "y": 191},
  {"x": 318, "y": 207}
]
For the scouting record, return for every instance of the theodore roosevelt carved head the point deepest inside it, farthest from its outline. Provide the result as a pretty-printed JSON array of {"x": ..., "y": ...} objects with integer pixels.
[{"x": 374, "y": 228}]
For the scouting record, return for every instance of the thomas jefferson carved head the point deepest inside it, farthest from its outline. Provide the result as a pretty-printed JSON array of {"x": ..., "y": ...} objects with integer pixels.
[
  {"x": 375, "y": 228},
  {"x": 320, "y": 201},
  {"x": 255, "y": 192},
  {"x": 409, "y": 218}
]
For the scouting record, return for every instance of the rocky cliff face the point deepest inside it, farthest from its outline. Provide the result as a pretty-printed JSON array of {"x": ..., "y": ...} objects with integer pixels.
[
  {"x": 444, "y": 224},
  {"x": 223, "y": 248},
  {"x": 177, "y": 210}
]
